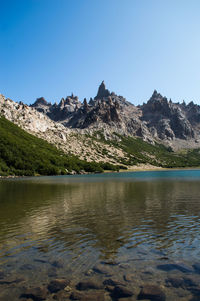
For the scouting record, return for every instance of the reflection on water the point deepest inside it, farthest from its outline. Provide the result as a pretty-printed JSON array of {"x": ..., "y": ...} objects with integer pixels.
[{"x": 136, "y": 220}]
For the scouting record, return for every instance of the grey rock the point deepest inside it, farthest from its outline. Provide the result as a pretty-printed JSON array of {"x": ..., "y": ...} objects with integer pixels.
[
  {"x": 152, "y": 292},
  {"x": 36, "y": 294},
  {"x": 11, "y": 280},
  {"x": 57, "y": 285},
  {"x": 113, "y": 282},
  {"x": 102, "y": 91},
  {"x": 184, "y": 282},
  {"x": 89, "y": 296},
  {"x": 122, "y": 292},
  {"x": 172, "y": 266},
  {"x": 102, "y": 269},
  {"x": 89, "y": 284}
]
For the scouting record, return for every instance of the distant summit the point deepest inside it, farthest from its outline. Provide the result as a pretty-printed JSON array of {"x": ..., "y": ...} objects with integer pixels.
[{"x": 102, "y": 91}]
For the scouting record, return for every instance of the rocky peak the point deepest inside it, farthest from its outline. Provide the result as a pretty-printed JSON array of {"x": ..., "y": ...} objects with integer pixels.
[
  {"x": 62, "y": 103},
  {"x": 157, "y": 104},
  {"x": 165, "y": 118},
  {"x": 69, "y": 100},
  {"x": 40, "y": 101},
  {"x": 157, "y": 97},
  {"x": 102, "y": 91},
  {"x": 85, "y": 105},
  {"x": 158, "y": 119}
]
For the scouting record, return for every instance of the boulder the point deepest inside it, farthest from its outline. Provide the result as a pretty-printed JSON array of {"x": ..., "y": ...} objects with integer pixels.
[
  {"x": 89, "y": 284},
  {"x": 152, "y": 292},
  {"x": 121, "y": 292},
  {"x": 57, "y": 285},
  {"x": 36, "y": 293}
]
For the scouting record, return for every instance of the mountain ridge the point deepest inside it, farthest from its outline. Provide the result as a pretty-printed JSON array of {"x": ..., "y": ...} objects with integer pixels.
[
  {"x": 159, "y": 119},
  {"x": 111, "y": 130}
]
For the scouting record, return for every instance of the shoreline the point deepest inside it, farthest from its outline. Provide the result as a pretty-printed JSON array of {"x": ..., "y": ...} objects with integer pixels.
[
  {"x": 134, "y": 168},
  {"x": 148, "y": 167}
]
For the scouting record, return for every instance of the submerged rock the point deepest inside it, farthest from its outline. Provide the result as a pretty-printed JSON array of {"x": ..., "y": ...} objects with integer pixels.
[
  {"x": 88, "y": 284},
  {"x": 112, "y": 282},
  {"x": 61, "y": 296},
  {"x": 76, "y": 295},
  {"x": 92, "y": 296},
  {"x": 121, "y": 292},
  {"x": 173, "y": 266},
  {"x": 36, "y": 294},
  {"x": 89, "y": 272},
  {"x": 57, "y": 285},
  {"x": 152, "y": 292},
  {"x": 101, "y": 269},
  {"x": 180, "y": 282},
  {"x": 11, "y": 280}
]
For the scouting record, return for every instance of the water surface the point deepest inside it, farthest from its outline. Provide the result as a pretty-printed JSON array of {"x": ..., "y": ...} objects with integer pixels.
[{"x": 142, "y": 224}]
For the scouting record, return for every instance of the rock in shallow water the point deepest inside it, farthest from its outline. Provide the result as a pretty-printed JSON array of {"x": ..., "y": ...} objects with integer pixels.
[
  {"x": 61, "y": 296},
  {"x": 180, "y": 282},
  {"x": 102, "y": 269},
  {"x": 173, "y": 266},
  {"x": 88, "y": 284},
  {"x": 57, "y": 285},
  {"x": 11, "y": 280},
  {"x": 112, "y": 282},
  {"x": 92, "y": 296},
  {"x": 121, "y": 292},
  {"x": 152, "y": 292},
  {"x": 36, "y": 294}
]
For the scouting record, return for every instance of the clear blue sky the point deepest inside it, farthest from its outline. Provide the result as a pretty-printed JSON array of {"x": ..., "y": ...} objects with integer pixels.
[{"x": 51, "y": 48}]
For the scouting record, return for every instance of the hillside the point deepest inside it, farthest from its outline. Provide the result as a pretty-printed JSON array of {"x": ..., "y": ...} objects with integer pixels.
[
  {"x": 24, "y": 154},
  {"x": 106, "y": 133}
]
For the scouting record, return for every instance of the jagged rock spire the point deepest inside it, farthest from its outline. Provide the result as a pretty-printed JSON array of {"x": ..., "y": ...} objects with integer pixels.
[{"x": 102, "y": 91}]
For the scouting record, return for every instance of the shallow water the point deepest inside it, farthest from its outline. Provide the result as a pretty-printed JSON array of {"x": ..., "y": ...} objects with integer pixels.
[{"x": 143, "y": 227}]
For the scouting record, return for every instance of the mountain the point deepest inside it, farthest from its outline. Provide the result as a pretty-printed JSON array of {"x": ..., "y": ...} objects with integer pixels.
[
  {"x": 158, "y": 120},
  {"x": 108, "y": 130},
  {"x": 81, "y": 143}
]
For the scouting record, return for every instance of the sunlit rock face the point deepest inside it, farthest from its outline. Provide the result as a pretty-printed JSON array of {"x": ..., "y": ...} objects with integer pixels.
[
  {"x": 169, "y": 120},
  {"x": 158, "y": 120}
]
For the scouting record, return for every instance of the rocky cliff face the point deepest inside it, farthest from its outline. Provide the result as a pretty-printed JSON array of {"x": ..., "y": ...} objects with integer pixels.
[
  {"x": 35, "y": 120},
  {"x": 107, "y": 112},
  {"x": 174, "y": 124},
  {"x": 159, "y": 120},
  {"x": 165, "y": 119}
]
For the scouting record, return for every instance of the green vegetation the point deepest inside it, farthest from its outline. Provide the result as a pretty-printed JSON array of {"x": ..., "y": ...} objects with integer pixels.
[
  {"x": 25, "y": 154},
  {"x": 142, "y": 152},
  {"x": 139, "y": 151}
]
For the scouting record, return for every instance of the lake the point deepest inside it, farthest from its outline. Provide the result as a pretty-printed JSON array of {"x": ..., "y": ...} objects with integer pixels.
[{"x": 113, "y": 236}]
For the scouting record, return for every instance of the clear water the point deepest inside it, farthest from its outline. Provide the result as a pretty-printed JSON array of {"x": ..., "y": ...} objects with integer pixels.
[{"x": 142, "y": 224}]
